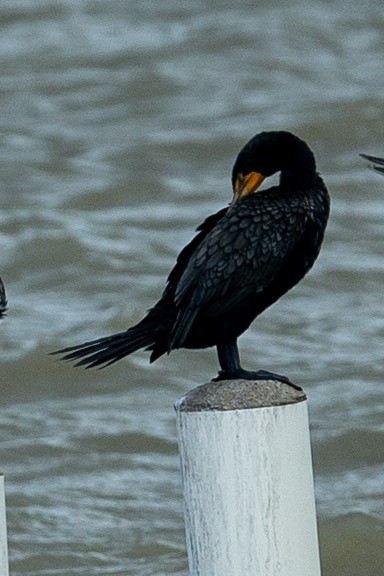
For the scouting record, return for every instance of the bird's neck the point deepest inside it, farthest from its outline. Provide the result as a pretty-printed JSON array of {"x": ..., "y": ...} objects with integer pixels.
[{"x": 301, "y": 179}]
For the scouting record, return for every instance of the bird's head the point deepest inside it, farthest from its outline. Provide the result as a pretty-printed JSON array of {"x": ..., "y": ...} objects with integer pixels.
[{"x": 268, "y": 153}]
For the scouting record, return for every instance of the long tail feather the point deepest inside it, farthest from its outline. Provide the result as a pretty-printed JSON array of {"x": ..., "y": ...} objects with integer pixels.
[{"x": 105, "y": 351}]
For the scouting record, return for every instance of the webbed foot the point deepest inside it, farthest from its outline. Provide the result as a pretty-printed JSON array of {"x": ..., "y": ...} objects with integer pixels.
[{"x": 241, "y": 374}]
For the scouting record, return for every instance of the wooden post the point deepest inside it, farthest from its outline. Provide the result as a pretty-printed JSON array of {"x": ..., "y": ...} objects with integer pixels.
[
  {"x": 4, "y": 569},
  {"x": 247, "y": 480}
]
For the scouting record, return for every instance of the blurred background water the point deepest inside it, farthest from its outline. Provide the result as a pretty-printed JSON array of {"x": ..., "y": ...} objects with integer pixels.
[{"x": 120, "y": 121}]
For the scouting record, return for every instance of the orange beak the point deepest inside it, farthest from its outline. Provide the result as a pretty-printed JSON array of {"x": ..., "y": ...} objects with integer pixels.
[{"x": 246, "y": 185}]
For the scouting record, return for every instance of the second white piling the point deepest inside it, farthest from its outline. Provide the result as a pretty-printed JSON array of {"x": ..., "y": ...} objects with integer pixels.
[{"x": 4, "y": 570}]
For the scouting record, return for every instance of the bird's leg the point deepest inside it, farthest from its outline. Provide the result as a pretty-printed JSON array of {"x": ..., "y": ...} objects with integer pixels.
[
  {"x": 229, "y": 358},
  {"x": 231, "y": 369}
]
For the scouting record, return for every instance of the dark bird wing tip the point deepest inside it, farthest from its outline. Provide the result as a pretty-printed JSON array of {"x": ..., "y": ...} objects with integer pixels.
[
  {"x": 371, "y": 158},
  {"x": 377, "y": 162},
  {"x": 3, "y": 299}
]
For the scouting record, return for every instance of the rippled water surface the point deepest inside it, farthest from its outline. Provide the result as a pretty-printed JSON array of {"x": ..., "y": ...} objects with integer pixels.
[{"x": 120, "y": 121}]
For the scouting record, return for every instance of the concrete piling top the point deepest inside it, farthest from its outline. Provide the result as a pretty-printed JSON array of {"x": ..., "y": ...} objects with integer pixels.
[{"x": 239, "y": 395}]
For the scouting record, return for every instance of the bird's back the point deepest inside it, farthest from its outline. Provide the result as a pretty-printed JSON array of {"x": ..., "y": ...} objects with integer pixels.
[{"x": 256, "y": 251}]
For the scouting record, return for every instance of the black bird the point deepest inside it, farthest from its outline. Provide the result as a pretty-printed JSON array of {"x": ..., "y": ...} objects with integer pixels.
[
  {"x": 3, "y": 299},
  {"x": 378, "y": 163},
  {"x": 242, "y": 260}
]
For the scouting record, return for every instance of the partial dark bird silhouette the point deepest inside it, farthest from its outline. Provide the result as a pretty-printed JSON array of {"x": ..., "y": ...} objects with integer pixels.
[
  {"x": 3, "y": 299},
  {"x": 378, "y": 163},
  {"x": 242, "y": 260}
]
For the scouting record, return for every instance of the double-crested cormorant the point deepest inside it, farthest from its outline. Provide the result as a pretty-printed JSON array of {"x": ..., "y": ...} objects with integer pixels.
[
  {"x": 3, "y": 299},
  {"x": 378, "y": 163},
  {"x": 242, "y": 260}
]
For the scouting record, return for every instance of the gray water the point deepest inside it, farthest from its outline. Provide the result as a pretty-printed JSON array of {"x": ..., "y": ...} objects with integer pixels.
[{"x": 120, "y": 121}]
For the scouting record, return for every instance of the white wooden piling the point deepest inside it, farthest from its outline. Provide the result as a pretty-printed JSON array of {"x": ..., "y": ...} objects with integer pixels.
[
  {"x": 4, "y": 569},
  {"x": 247, "y": 480}
]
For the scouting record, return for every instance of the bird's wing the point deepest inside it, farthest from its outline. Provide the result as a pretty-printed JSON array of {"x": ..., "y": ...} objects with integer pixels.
[
  {"x": 378, "y": 163},
  {"x": 241, "y": 254},
  {"x": 3, "y": 298},
  {"x": 188, "y": 250}
]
